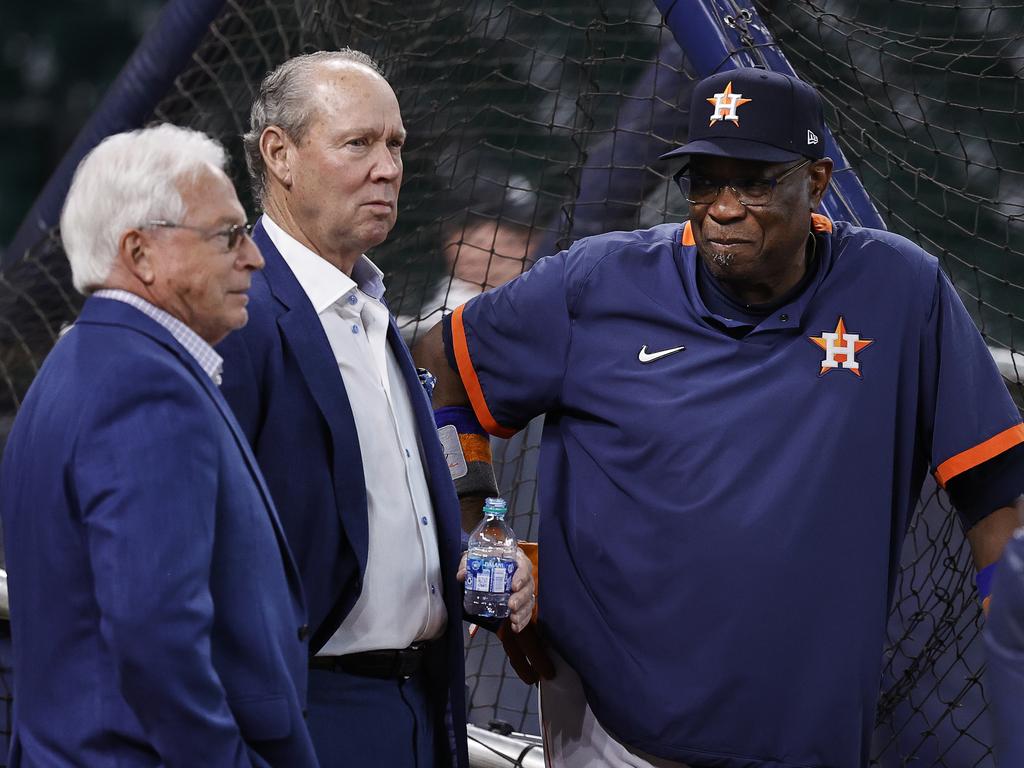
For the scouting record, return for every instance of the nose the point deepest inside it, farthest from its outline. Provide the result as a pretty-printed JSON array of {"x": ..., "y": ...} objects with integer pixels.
[
  {"x": 387, "y": 165},
  {"x": 727, "y": 205},
  {"x": 249, "y": 256}
]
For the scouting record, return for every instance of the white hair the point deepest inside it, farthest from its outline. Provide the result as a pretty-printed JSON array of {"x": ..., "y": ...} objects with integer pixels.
[{"x": 125, "y": 181}]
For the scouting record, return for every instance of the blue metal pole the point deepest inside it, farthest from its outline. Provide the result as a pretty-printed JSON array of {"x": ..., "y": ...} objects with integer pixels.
[{"x": 717, "y": 35}]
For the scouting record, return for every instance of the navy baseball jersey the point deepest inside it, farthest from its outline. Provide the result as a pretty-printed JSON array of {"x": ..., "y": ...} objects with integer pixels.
[{"x": 721, "y": 516}]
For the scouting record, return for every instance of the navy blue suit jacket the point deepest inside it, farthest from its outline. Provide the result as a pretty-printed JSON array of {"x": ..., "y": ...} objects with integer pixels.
[
  {"x": 282, "y": 381},
  {"x": 155, "y": 609}
]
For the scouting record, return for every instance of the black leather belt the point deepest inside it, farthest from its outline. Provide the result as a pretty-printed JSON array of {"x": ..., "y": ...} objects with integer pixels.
[{"x": 385, "y": 665}]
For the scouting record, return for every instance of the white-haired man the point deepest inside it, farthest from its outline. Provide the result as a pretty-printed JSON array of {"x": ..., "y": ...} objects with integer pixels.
[
  {"x": 157, "y": 616},
  {"x": 326, "y": 392}
]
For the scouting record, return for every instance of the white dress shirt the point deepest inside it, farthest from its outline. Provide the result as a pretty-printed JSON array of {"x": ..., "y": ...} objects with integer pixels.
[{"x": 401, "y": 600}]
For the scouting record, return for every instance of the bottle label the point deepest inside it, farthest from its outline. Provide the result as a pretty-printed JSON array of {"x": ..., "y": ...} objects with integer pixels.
[{"x": 489, "y": 574}]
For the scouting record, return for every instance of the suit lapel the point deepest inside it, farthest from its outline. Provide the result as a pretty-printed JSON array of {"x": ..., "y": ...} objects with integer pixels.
[
  {"x": 304, "y": 335},
  {"x": 116, "y": 312}
]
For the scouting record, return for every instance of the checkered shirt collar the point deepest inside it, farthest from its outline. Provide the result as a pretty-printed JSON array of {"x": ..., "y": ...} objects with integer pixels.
[{"x": 204, "y": 354}]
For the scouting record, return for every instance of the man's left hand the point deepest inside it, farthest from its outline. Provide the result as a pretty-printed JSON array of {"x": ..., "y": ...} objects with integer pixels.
[{"x": 521, "y": 601}]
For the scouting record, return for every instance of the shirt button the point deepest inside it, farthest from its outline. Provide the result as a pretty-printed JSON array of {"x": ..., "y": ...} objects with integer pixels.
[
  {"x": 352, "y": 298},
  {"x": 423, "y": 519},
  {"x": 409, "y": 455},
  {"x": 355, "y": 328},
  {"x": 784, "y": 318},
  {"x": 433, "y": 589},
  {"x": 303, "y": 632}
]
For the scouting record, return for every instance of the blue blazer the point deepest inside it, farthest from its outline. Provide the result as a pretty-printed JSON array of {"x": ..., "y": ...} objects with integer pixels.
[
  {"x": 156, "y": 613},
  {"x": 282, "y": 381}
]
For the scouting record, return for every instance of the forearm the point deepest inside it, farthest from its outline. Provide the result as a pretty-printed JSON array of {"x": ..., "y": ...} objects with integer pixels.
[
  {"x": 428, "y": 353},
  {"x": 449, "y": 393},
  {"x": 989, "y": 536}
]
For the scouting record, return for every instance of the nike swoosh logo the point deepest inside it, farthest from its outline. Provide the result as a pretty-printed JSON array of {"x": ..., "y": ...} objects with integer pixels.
[{"x": 650, "y": 357}]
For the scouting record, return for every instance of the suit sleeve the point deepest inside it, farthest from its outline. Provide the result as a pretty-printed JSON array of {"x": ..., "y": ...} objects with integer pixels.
[
  {"x": 146, "y": 469},
  {"x": 511, "y": 346}
]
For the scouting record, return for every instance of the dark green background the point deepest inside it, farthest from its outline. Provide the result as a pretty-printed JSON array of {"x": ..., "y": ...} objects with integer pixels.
[{"x": 56, "y": 60}]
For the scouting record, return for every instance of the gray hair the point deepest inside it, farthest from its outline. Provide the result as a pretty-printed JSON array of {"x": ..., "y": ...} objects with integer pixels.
[
  {"x": 126, "y": 180},
  {"x": 283, "y": 101}
]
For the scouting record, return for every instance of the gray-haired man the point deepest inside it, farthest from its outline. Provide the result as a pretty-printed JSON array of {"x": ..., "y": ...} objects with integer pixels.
[{"x": 328, "y": 396}]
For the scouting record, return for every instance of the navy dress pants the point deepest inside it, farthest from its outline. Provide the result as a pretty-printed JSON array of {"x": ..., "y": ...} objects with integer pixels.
[{"x": 365, "y": 721}]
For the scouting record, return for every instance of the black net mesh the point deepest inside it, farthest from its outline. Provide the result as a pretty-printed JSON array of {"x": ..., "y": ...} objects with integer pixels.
[{"x": 535, "y": 122}]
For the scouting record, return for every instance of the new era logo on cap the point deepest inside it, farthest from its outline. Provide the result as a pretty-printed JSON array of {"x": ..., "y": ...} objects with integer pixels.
[{"x": 755, "y": 114}]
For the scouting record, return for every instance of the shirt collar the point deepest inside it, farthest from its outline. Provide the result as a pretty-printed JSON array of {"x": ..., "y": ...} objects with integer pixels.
[
  {"x": 793, "y": 306},
  {"x": 205, "y": 355},
  {"x": 321, "y": 281}
]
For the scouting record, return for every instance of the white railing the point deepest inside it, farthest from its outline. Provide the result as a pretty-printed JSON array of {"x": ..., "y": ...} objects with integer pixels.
[{"x": 493, "y": 750}]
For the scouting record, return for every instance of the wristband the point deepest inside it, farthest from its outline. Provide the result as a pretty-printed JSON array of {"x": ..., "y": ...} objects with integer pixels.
[
  {"x": 984, "y": 583},
  {"x": 467, "y": 449}
]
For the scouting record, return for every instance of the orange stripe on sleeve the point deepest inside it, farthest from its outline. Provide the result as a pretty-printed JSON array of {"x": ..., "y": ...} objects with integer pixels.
[
  {"x": 979, "y": 454},
  {"x": 688, "y": 235},
  {"x": 470, "y": 380}
]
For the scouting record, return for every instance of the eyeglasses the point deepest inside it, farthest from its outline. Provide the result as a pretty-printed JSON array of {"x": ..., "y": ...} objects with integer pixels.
[
  {"x": 699, "y": 190},
  {"x": 234, "y": 234}
]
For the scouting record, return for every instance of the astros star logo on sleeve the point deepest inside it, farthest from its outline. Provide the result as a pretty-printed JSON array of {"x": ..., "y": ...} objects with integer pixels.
[
  {"x": 841, "y": 348},
  {"x": 726, "y": 103}
]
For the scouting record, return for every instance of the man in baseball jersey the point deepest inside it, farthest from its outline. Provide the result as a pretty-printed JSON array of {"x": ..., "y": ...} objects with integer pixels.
[{"x": 740, "y": 414}]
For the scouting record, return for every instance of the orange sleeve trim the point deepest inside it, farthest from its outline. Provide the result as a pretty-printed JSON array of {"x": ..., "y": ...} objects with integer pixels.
[
  {"x": 979, "y": 454},
  {"x": 476, "y": 447},
  {"x": 688, "y": 235},
  {"x": 470, "y": 381},
  {"x": 820, "y": 223}
]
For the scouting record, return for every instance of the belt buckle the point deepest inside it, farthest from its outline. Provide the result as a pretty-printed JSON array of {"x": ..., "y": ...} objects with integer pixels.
[{"x": 407, "y": 660}]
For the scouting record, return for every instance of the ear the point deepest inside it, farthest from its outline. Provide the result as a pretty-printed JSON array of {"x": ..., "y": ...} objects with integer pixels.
[
  {"x": 276, "y": 149},
  {"x": 135, "y": 255},
  {"x": 820, "y": 175}
]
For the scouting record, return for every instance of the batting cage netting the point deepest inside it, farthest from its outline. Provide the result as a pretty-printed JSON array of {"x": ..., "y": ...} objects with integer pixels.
[{"x": 533, "y": 123}]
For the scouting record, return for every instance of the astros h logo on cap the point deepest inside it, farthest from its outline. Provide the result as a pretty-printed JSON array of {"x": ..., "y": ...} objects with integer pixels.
[
  {"x": 755, "y": 114},
  {"x": 725, "y": 105}
]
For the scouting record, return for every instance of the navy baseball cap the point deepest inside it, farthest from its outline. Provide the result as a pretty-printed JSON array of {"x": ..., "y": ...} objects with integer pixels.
[{"x": 755, "y": 114}]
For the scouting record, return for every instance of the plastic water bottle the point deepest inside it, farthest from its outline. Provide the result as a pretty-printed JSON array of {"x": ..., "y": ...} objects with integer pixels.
[{"x": 490, "y": 563}]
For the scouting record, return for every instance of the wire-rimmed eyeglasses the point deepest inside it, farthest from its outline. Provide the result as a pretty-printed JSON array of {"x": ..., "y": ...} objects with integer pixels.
[
  {"x": 234, "y": 234},
  {"x": 700, "y": 190}
]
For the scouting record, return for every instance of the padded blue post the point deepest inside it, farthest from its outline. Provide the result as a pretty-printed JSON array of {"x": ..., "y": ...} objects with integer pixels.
[{"x": 716, "y": 35}]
